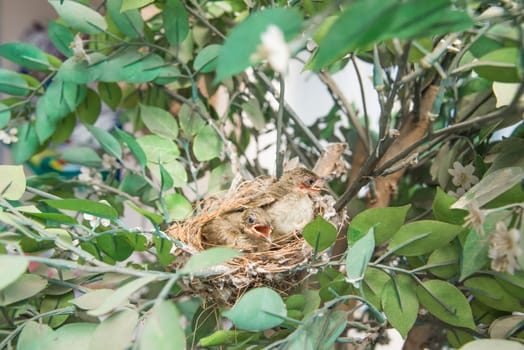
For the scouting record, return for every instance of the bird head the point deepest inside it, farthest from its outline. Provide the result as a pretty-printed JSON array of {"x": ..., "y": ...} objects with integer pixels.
[
  {"x": 255, "y": 221},
  {"x": 303, "y": 180}
]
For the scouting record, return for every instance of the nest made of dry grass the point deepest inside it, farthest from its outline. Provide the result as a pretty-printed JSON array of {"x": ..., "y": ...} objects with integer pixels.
[{"x": 281, "y": 268}]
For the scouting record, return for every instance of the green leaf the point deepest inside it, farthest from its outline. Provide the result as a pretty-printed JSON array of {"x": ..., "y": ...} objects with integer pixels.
[
  {"x": 176, "y": 22},
  {"x": 23, "y": 288},
  {"x": 318, "y": 333},
  {"x": 12, "y": 182},
  {"x": 61, "y": 37},
  {"x": 222, "y": 337},
  {"x": 400, "y": 303},
  {"x": 162, "y": 329},
  {"x": 374, "y": 282},
  {"x": 208, "y": 258},
  {"x": 368, "y": 21},
  {"x": 25, "y": 55},
  {"x": 177, "y": 172},
  {"x": 153, "y": 217},
  {"x": 158, "y": 149},
  {"x": 92, "y": 299},
  {"x": 106, "y": 140},
  {"x": 133, "y": 184},
  {"x": 110, "y": 93},
  {"x": 11, "y": 268},
  {"x": 250, "y": 314},
  {"x": 116, "y": 246},
  {"x": 131, "y": 66},
  {"x": 442, "y": 209},
  {"x": 358, "y": 257},
  {"x": 178, "y": 207},
  {"x": 490, "y": 187},
  {"x": 78, "y": 71},
  {"x": 116, "y": 332},
  {"x": 53, "y": 302},
  {"x": 168, "y": 74},
  {"x": 32, "y": 334},
  {"x": 60, "y": 99},
  {"x": 386, "y": 221},
  {"x": 190, "y": 121},
  {"x": 446, "y": 302},
  {"x": 89, "y": 110},
  {"x": 84, "y": 206},
  {"x": 133, "y": 145},
  {"x": 447, "y": 255},
  {"x": 79, "y": 16},
  {"x": 423, "y": 236},
  {"x": 83, "y": 156},
  {"x": 242, "y": 42},
  {"x": 128, "y": 22},
  {"x": 490, "y": 344},
  {"x": 27, "y": 144},
  {"x": 159, "y": 121},
  {"x": 121, "y": 296},
  {"x": 134, "y": 4},
  {"x": 207, "y": 144},
  {"x": 320, "y": 234},
  {"x": 254, "y": 112},
  {"x": 163, "y": 250},
  {"x": 5, "y": 115},
  {"x": 12, "y": 83},
  {"x": 206, "y": 60},
  {"x": 499, "y": 65},
  {"x": 489, "y": 292},
  {"x": 70, "y": 336},
  {"x": 474, "y": 254},
  {"x": 165, "y": 179}
]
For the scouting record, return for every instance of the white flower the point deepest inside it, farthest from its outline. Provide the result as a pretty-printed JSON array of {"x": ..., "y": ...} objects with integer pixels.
[
  {"x": 463, "y": 176},
  {"x": 273, "y": 48},
  {"x": 9, "y": 137},
  {"x": 95, "y": 221},
  {"x": 475, "y": 218},
  {"x": 78, "y": 49},
  {"x": 504, "y": 249},
  {"x": 109, "y": 163},
  {"x": 460, "y": 192}
]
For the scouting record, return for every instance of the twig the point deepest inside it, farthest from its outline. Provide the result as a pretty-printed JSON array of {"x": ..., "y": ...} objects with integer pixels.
[
  {"x": 280, "y": 117},
  {"x": 363, "y": 97}
]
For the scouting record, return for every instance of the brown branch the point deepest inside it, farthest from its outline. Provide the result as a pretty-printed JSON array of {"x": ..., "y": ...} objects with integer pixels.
[{"x": 412, "y": 130}]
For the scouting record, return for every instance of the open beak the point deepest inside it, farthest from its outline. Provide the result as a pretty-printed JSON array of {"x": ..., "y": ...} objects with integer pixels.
[
  {"x": 264, "y": 231},
  {"x": 319, "y": 185}
]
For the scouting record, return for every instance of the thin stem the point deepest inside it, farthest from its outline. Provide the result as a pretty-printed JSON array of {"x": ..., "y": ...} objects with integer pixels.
[
  {"x": 363, "y": 97},
  {"x": 280, "y": 117}
]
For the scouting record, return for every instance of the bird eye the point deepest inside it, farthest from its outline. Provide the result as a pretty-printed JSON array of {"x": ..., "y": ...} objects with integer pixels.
[
  {"x": 311, "y": 182},
  {"x": 251, "y": 219}
]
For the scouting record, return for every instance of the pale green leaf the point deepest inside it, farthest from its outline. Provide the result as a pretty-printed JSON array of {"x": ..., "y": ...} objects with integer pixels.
[
  {"x": 79, "y": 16},
  {"x": 176, "y": 22},
  {"x": 490, "y": 344},
  {"x": 206, "y": 60},
  {"x": 178, "y": 207},
  {"x": 61, "y": 37},
  {"x": 400, "y": 303},
  {"x": 257, "y": 310},
  {"x": 207, "y": 144},
  {"x": 446, "y": 302},
  {"x": 358, "y": 257},
  {"x": 320, "y": 234},
  {"x": 159, "y": 121},
  {"x": 158, "y": 149},
  {"x": 32, "y": 334},
  {"x": 209, "y": 258},
  {"x": 12, "y": 83},
  {"x": 83, "y": 156},
  {"x": 11, "y": 268},
  {"x": 474, "y": 254},
  {"x": 128, "y": 22},
  {"x": 92, "y": 299},
  {"x": 489, "y": 292},
  {"x": 24, "y": 287},
  {"x": 106, "y": 140},
  {"x": 70, "y": 336},
  {"x": 385, "y": 221},
  {"x": 162, "y": 329},
  {"x": 84, "y": 206},
  {"x": 134, "y": 4},
  {"x": 116, "y": 332},
  {"x": 121, "y": 296},
  {"x": 12, "y": 182}
]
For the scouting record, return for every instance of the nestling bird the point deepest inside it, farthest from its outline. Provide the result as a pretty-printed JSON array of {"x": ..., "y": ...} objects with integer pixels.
[
  {"x": 247, "y": 230},
  {"x": 288, "y": 202}
]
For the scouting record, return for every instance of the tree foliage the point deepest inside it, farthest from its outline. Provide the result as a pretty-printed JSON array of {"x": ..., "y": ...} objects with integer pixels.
[{"x": 437, "y": 239}]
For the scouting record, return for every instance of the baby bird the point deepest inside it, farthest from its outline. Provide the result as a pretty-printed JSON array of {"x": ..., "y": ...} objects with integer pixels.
[
  {"x": 248, "y": 230},
  {"x": 292, "y": 207}
]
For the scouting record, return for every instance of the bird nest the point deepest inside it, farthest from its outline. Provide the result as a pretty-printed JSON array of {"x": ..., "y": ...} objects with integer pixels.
[{"x": 282, "y": 267}]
